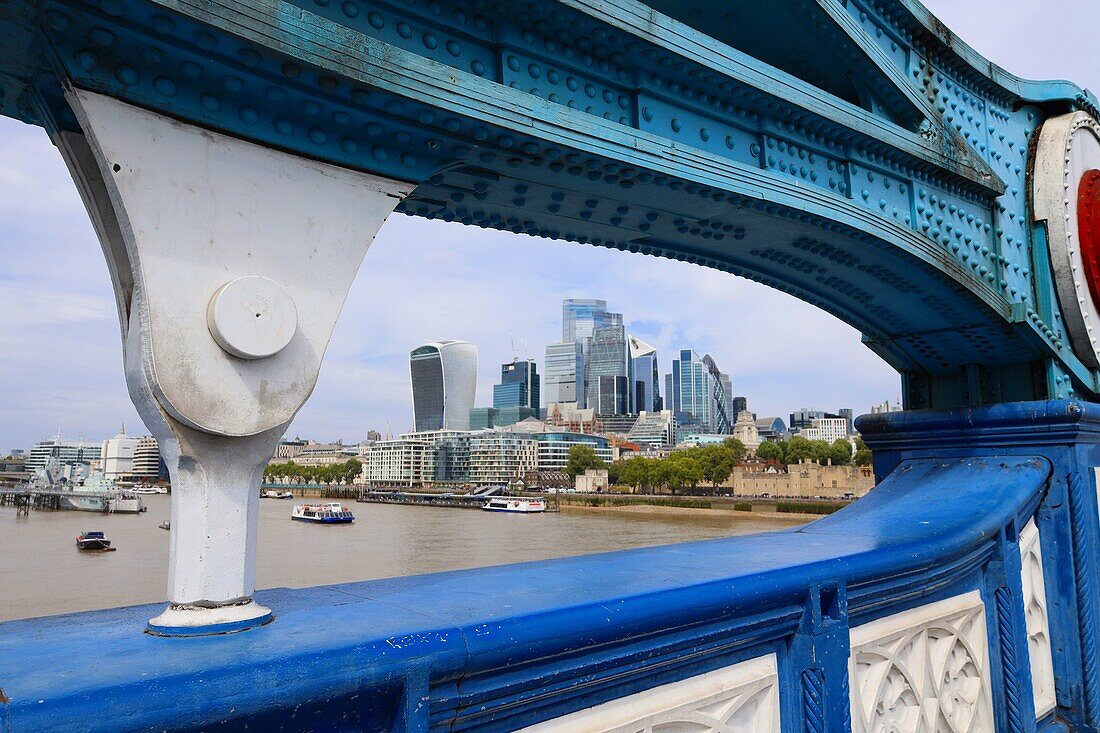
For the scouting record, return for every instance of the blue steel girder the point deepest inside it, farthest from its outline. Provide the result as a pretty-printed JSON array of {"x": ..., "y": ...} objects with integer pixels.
[{"x": 874, "y": 165}]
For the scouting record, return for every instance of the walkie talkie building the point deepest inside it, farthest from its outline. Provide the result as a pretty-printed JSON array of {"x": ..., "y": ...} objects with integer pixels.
[{"x": 444, "y": 384}]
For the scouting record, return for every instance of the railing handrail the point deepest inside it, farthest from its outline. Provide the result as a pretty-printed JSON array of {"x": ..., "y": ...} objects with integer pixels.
[{"x": 902, "y": 541}]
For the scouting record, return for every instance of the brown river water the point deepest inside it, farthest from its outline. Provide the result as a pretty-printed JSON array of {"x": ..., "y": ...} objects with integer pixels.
[{"x": 42, "y": 573}]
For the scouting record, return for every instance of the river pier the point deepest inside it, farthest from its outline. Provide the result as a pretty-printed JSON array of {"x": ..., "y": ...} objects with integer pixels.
[{"x": 26, "y": 499}]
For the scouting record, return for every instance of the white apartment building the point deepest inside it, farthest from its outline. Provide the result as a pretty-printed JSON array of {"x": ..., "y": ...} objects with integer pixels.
[
  {"x": 498, "y": 457},
  {"x": 401, "y": 462},
  {"x": 829, "y": 429}
]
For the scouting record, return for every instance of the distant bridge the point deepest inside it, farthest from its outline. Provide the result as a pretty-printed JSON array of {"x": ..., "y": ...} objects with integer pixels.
[{"x": 236, "y": 158}]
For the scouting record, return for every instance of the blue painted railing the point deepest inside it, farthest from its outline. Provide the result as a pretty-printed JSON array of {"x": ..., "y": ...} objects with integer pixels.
[{"x": 926, "y": 570}]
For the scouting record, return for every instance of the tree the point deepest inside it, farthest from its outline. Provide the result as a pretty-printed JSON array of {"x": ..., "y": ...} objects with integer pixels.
[
  {"x": 769, "y": 451},
  {"x": 353, "y": 468},
  {"x": 737, "y": 447},
  {"x": 636, "y": 472},
  {"x": 840, "y": 452},
  {"x": 660, "y": 473},
  {"x": 862, "y": 456},
  {"x": 582, "y": 458},
  {"x": 683, "y": 470},
  {"x": 799, "y": 449},
  {"x": 614, "y": 473},
  {"x": 820, "y": 451},
  {"x": 717, "y": 461}
]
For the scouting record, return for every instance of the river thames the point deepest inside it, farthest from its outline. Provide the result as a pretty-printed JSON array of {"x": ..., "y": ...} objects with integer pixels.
[{"x": 43, "y": 573}]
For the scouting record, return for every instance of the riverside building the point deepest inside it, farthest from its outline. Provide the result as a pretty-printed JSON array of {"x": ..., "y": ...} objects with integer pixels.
[
  {"x": 498, "y": 457},
  {"x": 84, "y": 452},
  {"x": 117, "y": 455},
  {"x": 398, "y": 463}
]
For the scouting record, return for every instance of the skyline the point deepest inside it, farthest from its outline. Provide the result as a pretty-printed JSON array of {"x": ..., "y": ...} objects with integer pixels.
[{"x": 62, "y": 367}]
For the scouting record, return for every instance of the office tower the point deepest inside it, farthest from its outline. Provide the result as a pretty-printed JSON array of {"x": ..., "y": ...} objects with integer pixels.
[
  {"x": 82, "y": 452},
  {"x": 739, "y": 404},
  {"x": 724, "y": 418},
  {"x": 846, "y": 413},
  {"x": 692, "y": 393},
  {"x": 647, "y": 392},
  {"x": 564, "y": 372},
  {"x": 519, "y": 386},
  {"x": 117, "y": 455},
  {"x": 609, "y": 373},
  {"x": 727, "y": 391},
  {"x": 148, "y": 465},
  {"x": 444, "y": 383},
  {"x": 580, "y": 317}
]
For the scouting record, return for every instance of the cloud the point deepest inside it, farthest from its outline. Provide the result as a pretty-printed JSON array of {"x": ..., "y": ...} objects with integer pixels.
[{"x": 61, "y": 365}]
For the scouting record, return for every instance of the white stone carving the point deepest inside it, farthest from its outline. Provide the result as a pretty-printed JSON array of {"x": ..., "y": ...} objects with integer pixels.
[
  {"x": 742, "y": 698},
  {"x": 923, "y": 671},
  {"x": 1038, "y": 625},
  {"x": 230, "y": 263}
]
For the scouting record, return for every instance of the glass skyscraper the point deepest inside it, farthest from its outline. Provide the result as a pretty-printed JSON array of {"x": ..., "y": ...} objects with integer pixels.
[
  {"x": 698, "y": 394},
  {"x": 519, "y": 385},
  {"x": 647, "y": 391},
  {"x": 723, "y": 399},
  {"x": 580, "y": 317},
  {"x": 564, "y": 367},
  {"x": 609, "y": 373},
  {"x": 444, "y": 384}
]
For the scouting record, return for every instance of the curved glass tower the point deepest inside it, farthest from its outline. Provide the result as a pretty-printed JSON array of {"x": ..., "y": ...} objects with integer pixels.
[{"x": 444, "y": 384}]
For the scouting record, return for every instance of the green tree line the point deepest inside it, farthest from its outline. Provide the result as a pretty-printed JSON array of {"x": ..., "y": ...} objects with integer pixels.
[
  {"x": 798, "y": 449},
  {"x": 332, "y": 473},
  {"x": 683, "y": 470}
]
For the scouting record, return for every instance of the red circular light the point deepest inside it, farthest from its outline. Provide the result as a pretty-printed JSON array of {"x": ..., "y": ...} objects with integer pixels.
[{"x": 1088, "y": 229}]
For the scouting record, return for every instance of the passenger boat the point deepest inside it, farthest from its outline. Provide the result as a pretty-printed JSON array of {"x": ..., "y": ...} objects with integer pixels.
[
  {"x": 93, "y": 541},
  {"x": 330, "y": 513},
  {"x": 269, "y": 494},
  {"x": 509, "y": 504},
  {"x": 166, "y": 525},
  {"x": 143, "y": 490}
]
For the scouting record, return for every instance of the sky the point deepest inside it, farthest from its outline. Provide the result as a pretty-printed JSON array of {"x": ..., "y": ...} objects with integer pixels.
[{"x": 61, "y": 360}]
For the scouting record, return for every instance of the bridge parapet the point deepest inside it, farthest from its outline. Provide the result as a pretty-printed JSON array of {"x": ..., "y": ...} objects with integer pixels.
[{"x": 937, "y": 598}]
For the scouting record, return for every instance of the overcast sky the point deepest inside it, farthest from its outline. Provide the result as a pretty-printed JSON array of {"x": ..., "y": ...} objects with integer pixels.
[{"x": 61, "y": 364}]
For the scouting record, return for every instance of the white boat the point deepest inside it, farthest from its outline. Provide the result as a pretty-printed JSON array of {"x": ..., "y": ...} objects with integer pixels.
[
  {"x": 330, "y": 513},
  {"x": 148, "y": 490},
  {"x": 510, "y": 504},
  {"x": 270, "y": 494},
  {"x": 125, "y": 503}
]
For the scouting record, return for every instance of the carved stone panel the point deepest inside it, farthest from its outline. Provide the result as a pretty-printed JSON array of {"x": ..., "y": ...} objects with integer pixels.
[
  {"x": 924, "y": 670},
  {"x": 742, "y": 698},
  {"x": 1038, "y": 626}
]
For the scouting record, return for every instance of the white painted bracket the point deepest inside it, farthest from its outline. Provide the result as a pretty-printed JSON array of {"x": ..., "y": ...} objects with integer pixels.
[{"x": 231, "y": 263}]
